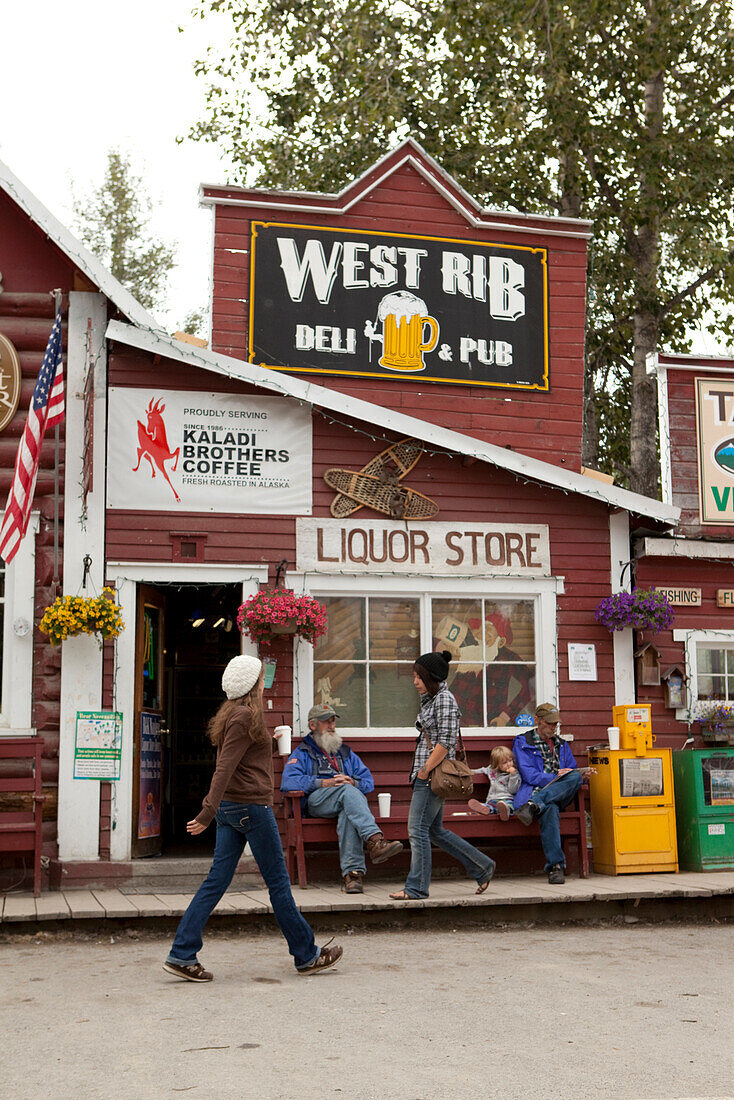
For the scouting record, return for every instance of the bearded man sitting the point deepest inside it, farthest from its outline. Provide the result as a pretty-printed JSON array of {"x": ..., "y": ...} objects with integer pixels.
[{"x": 335, "y": 782}]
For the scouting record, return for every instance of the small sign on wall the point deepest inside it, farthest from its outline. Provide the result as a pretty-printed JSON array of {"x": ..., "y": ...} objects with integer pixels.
[
  {"x": 98, "y": 744},
  {"x": 725, "y": 597},
  {"x": 681, "y": 597},
  {"x": 581, "y": 661}
]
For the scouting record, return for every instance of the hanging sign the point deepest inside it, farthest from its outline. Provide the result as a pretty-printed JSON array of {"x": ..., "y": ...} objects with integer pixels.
[
  {"x": 715, "y": 437},
  {"x": 208, "y": 452},
  {"x": 10, "y": 376},
  {"x": 448, "y": 549},
  {"x": 98, "y": 744},
  {"x": 388, "y": 305}
]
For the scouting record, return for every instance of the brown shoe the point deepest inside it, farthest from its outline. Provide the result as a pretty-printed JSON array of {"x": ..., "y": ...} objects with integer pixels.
[
  {"x": 504, "y": 811},
  {"x": 327, "y": 958},
  {"x": 194, "y": 972},
  {"x": 379, "y": 849},
  {"x": 353, "y": 882}
]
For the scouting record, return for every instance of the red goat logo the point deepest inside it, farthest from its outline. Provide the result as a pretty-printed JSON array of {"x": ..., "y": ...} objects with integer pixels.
[{"x": 153, "y": 444}]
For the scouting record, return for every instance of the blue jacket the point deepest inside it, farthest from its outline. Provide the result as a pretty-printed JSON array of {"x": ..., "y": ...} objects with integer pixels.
[
  {"x": 308, "y": 765},
  {"x": 529, "y": 762}
]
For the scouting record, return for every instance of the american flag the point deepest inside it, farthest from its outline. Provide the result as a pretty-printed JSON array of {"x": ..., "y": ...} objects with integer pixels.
[{"x": 47, "y": 409}]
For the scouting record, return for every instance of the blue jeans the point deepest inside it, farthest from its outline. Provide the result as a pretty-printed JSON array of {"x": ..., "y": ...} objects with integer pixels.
[
  {"x": 237, "y": 825},
  {"x": 550, "y": 801},
  {"x": 425, "y": 824},
  {"x": 354, "y": 822}
]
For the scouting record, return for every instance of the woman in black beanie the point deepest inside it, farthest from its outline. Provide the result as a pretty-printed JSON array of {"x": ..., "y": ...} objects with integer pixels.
[{"x": 438, "y": 723}]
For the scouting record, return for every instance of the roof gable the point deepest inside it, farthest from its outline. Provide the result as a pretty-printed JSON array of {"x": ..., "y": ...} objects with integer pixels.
[
  {"x": 80, "y": 256},
  {"x": 408, "y": 154}
]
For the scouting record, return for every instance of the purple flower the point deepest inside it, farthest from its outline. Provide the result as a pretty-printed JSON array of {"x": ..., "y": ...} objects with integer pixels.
[{"x": 642, "y": 608}]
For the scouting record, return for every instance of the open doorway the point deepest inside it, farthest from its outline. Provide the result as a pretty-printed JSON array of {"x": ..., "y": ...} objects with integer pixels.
[{"x": 198, "y": 632}]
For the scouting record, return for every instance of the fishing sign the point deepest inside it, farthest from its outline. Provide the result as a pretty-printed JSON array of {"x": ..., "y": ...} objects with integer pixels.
[{"x": 388, "y": 305}]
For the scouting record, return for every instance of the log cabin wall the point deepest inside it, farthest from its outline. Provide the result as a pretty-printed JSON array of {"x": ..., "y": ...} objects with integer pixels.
[
  {"x": 545, "y": 425},
  {"x": 31, "y": 268}
]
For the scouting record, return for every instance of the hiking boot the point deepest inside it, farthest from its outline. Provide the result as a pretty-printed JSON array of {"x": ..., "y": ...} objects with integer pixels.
[
  {"x": 353, "y": 882},
  {"x": 527, "y": 813},
  {"x": 194, "y": 972},
  {"x": 556, "y": 875},
  {"x": 379, "y": 849},
  {"x": 327, "y": 958}
]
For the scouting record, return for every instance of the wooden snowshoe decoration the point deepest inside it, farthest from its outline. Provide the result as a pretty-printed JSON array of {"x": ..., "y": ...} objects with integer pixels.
[{"x": 390, "y": 466}]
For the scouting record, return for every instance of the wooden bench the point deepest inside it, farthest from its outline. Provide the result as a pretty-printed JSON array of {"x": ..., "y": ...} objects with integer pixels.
[
  {"x": 389, "y": 761},
  {"x": 20, "y": 791}
]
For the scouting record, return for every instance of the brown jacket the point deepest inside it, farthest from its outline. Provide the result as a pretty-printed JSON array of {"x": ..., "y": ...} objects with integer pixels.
[{"x": 244, "y": 771}]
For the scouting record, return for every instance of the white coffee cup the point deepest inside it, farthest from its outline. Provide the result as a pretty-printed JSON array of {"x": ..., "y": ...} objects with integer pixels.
[
  {"x": 613, "y": 737},
  {"x": 383, "y": 801},
  {"x": 283, "y": 733}
]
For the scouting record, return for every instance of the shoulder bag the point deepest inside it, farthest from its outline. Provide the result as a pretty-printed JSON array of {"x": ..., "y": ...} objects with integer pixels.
[{"x": 452, "y": 779}]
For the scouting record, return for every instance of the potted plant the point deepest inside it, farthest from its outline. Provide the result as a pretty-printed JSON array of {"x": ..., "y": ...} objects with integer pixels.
[
  {"x": 717, "y": 720},
  {"x": 273, "y": 611},
  {"x": 71, "y": 615},
  {"x": 642, "y": 608}
]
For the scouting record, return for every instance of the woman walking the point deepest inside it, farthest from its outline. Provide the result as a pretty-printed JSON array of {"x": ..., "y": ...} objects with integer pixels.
[
  {"x": 241, "y": 799},
  {"x": 438, "y": 722}
]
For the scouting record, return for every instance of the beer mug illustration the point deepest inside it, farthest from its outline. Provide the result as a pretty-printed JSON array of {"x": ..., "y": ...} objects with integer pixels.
[{"x": 404, "y": 318}]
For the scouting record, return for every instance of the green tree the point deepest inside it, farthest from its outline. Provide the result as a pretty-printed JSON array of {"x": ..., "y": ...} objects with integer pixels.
[
  {"x": 615, "y": 110},
  {"x": 113, "y": 222}
]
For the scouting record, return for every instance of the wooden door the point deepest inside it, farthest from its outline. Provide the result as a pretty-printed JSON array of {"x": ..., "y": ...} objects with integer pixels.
[{"x": 150, "y": 722}]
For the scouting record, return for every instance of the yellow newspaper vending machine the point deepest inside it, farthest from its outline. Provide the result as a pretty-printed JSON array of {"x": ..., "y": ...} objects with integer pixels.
[{"x": 632, "y": 800}]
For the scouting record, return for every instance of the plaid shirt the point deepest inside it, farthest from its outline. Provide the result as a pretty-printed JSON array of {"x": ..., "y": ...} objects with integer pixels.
[
  {"x": 549, "y": 751},
  {"x": 439, "y": 716}
]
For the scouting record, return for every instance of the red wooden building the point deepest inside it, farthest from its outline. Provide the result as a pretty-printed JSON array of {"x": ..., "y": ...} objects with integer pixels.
[
  {"x": 398, "y": 316},
  {"x": 694, "y": 562}
]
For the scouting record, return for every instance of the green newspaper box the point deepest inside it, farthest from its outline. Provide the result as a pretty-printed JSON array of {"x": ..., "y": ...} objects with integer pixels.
[{"x": 704, "y": 808}]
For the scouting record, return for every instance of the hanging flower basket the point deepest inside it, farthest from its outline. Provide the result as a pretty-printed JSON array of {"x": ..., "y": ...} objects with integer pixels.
[
  {"x": 274, "y": 611},
  {"x": 642, "y": 608},
  {"x": 71, "y": 615}
]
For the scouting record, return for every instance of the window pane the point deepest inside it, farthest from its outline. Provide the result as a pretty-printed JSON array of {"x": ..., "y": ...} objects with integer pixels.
[
  {"x": 393, "y": 698},
  {"x": 510, "y": 691},
  {"x": 394, "y": 630},
  {"x": 452, "y": 627},
  {"x": 467, "y": 683},
  {"x": 711, "y": 660},
  {"x": 343, "y": 687},
  {"x": 509, "y": 630},
  {"x": 711, "y": 687},
  {"x": 344, "y": 640}
]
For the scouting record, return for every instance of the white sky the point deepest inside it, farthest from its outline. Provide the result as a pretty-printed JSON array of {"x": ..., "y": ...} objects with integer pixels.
[{"x": 79, "y": 77}]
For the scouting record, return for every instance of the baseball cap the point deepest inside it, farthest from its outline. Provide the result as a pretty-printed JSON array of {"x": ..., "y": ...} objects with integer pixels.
[
  {"x": 320, "y": 712},
  {"x": 548, "y": 712}
]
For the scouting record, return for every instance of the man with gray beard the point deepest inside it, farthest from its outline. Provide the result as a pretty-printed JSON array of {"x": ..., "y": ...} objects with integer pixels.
[{"x": 335, "y": 782}]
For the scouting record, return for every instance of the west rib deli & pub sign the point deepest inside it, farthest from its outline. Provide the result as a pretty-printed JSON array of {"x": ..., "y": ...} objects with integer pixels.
[{"x": 380, "y": 305}]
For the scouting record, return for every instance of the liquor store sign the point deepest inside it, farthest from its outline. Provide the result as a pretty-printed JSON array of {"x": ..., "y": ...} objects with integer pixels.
[
  {"x": 715, "y": 437},
  {"x": 385, "y": 305},
  {"x": 445, "y": 549}
]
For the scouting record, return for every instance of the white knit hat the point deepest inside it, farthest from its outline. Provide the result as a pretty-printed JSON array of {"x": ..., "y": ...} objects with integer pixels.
[{"x": 240, "y": 676}]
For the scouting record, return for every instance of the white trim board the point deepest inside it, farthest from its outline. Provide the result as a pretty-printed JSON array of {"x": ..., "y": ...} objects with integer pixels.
[
  {"x": 414, "y": 155},
  {"x": 389, "y": 420},
  {"x": 684, "y": 548},
  {"x": 80, "y": 256}
]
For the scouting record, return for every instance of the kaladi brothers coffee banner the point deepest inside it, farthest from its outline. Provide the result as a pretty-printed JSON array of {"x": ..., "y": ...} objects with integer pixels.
[{"x": 208, "y": 452}]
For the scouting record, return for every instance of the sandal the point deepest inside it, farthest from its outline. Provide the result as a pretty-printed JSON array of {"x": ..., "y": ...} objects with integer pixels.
[
  {"x": 400, "y": 895},
  {"x": 485, "y": 883}
]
